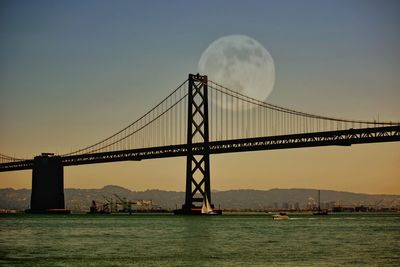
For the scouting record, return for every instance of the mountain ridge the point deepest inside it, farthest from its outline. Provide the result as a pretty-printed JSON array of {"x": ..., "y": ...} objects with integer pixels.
[{"x": 78, "y": 199}]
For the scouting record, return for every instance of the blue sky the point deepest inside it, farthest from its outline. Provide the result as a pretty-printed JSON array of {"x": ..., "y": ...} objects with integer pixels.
[{"x": 73, "y": 72}]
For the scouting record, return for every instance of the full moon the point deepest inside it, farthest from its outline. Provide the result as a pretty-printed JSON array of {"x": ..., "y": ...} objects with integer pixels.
[{"x": 240, "y": 63}]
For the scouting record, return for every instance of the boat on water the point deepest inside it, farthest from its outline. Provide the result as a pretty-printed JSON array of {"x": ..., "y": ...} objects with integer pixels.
[
  {"x": 280, "y": 216},
  {"x": 206, "y": 208},
  {"x": 319, "y": 211}
]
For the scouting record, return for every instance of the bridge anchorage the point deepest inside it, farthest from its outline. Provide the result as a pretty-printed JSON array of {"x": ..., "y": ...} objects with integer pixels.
[{"x": 47, "y": 194}]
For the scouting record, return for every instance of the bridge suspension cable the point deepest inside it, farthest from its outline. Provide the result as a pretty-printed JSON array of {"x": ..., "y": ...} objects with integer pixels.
[
  {"x": 7, "y": 159},
  {"x": 232, "y": 115},
  {"x": 162, "y": 125},
  {"x": 235, "y": 116}
]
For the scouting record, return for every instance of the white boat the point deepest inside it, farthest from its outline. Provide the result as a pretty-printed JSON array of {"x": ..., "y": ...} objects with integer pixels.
[
  {"x": 206, "y": 207},
  {"x": 280, "y": 216}
]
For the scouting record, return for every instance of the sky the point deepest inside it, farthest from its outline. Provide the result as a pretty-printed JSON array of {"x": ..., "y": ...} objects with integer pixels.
[{"x": 75, "y": 72}]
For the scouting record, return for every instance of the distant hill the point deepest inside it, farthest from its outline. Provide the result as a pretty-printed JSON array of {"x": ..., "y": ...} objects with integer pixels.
[{"x": 80, "y": 199}]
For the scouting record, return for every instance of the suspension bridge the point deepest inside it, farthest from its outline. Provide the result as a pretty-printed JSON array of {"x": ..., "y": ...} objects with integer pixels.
[{"x": 199, "y": 118}]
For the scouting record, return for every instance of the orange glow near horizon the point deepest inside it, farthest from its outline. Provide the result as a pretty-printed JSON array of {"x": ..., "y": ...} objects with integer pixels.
[{"x": 369, "y": 168}]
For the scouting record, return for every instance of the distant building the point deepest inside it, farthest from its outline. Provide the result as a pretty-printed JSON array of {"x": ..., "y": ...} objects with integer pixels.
[{"x": 311, "y": 204}]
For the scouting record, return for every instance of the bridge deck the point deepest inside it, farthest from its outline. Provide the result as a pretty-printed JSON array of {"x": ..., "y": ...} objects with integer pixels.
[{"x": 330, "y": 138}]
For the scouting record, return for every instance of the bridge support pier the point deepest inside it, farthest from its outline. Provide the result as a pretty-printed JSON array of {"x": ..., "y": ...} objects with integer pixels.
[
  {"x": 47, "y": 194},
  {"x": 198, "y": 188}
]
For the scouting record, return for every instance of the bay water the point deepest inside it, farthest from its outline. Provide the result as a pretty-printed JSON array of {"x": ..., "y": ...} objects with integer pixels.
[{"x": 343, "y": 239}]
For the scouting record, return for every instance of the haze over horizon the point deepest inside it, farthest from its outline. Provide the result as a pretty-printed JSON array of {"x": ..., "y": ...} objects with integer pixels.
[
  {"x": 213, "y": 190},
  {"x": 72, "y": 73}
]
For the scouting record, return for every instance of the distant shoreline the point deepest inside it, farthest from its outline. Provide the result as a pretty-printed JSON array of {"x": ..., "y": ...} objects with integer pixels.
[{"x": 79, "y": 200}]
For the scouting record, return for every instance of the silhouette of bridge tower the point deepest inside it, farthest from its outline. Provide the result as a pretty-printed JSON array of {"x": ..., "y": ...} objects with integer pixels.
[{"x": 198, "y": 186}]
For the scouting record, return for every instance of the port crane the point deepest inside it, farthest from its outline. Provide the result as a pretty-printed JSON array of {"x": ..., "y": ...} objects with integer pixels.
[
  {"x": 126, "y": 205},
  {"x": 112, "y": 204},
  {"x": 104, "y": 208}
]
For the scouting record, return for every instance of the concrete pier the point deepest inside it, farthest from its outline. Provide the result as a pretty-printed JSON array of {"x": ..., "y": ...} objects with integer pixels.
[{"x": 47, "y": 185}]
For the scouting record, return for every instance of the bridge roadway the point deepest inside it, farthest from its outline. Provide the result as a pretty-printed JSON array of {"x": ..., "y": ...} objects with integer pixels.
[{"x": 328, "y": 138}]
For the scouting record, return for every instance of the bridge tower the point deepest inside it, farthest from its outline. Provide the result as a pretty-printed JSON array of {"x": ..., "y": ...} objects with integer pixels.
[
  {"x": 47, "y": 194},
  {"x": 198, "y": 161}
]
